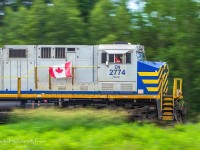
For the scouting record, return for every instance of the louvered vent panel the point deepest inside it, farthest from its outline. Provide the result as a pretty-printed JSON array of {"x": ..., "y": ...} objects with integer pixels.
[
  {"x": 61, "y": 88},
  {"x": 107, "y": 86},
  {"x": 126, "y": 87},
  {"x": 83, "y": 88}
]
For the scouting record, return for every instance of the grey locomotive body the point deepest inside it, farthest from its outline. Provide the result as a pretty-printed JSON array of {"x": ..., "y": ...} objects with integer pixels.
[
  {"x": 106, "y": 74},
  {"x": 94, "y": 67}
]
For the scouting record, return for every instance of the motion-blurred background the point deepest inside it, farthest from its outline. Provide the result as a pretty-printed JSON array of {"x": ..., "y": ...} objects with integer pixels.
[{"x": 169, "y": 29}]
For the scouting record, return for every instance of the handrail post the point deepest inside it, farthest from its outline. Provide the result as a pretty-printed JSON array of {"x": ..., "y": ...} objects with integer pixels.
[
  {"x": 19, "y": 87},
  {"x": 181, "y": 85},
  {"x": 49, "y": 82},
  {"x": 72, "y": 75},
  {"x": 36, "y": 77},
  {"x": 161, "y": 95},
  {"x": 174, "y": 88}
]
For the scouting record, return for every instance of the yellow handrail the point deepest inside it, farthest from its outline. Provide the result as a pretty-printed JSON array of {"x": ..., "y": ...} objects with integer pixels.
[
  {"x": 177, "y": 89},
  {"x": 36, "y": 77},
  {"x": 161, "y": 95},
  {"x": 37, "y": 67},
  {"x": 19, "y": 87}
]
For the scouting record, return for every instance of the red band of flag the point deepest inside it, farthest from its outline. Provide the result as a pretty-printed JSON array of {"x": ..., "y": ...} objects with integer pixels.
[{"x": 61, "y": 71}]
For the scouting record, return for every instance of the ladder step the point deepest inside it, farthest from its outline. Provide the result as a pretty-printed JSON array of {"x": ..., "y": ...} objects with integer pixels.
[
  {"x": 168, "y": 99},
  {"x": 167, "y": 108},
  {"x": 167, "y": 114},
  {"x": 168, "y": 96},
  {"x": 167, "y": 104},
  {"x": 167, "y": 118}
]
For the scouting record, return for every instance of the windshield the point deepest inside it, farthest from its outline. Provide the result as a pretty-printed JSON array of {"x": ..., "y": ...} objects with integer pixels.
[{"x": 140, "y": 56}]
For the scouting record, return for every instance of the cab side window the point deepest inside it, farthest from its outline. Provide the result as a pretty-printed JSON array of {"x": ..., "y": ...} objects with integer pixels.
[
  {"x": 103, "y": 57},
  {"x": 111, "y": 58},
  {"x": 118, "y": 59},
  {"x": 128, "y": 58}
]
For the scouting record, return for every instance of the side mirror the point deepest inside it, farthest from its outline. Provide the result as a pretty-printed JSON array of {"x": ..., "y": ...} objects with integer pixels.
[{"x": 107, "y": 64}]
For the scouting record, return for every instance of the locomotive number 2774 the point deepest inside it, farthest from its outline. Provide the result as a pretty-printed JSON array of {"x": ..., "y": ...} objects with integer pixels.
[{"x": 117, "y": 71}]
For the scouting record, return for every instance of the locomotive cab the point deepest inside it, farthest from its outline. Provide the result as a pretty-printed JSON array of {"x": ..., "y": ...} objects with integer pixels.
[{"x": 117, "y": 68}]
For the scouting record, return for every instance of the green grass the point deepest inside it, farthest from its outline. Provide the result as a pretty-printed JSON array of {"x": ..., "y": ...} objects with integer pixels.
[{"x": 91, "y": 129}]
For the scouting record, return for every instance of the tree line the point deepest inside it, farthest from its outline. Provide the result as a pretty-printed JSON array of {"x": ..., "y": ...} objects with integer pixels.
[{"x": 170, "y": 30}]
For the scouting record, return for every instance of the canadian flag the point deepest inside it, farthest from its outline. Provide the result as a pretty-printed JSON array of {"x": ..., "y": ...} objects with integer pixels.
[{"x": 61, "y": 71}]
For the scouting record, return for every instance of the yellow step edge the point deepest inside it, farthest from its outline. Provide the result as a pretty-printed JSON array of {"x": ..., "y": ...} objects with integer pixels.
[
  {"x": 167, "y": 118},
  {"x": 167, "y": 108},
  {"x": 168, "y": 99},
  {"x": 167, "y": 104},
  {"x": 168, "y": 114}
]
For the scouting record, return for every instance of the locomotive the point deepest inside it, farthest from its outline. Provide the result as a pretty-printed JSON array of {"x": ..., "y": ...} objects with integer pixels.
[{"x": 115, "y": 75}]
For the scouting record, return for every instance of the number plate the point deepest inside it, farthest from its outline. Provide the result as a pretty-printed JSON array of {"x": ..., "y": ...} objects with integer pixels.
[{"x": 117, "y": 71}]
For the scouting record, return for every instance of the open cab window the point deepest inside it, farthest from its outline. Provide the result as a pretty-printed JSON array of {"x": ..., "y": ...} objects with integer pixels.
[
  {"x": 116, "y": 58},
  {"x": 119, "y": 59}
]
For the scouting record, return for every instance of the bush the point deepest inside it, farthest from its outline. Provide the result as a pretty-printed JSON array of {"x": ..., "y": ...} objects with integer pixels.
[{"x": 91, "y": 129}]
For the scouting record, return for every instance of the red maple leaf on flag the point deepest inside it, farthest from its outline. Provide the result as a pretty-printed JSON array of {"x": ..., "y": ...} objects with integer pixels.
[{"x": 58, "y": 70}]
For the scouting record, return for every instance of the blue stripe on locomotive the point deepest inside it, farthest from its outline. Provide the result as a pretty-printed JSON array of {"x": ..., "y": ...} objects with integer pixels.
[{"x": 70, "y": 92}]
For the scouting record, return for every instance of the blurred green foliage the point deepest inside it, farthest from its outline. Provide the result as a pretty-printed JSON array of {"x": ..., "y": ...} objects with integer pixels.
[
  {"x": 91, "y": 129},
  {"x": 170, "y": 30}
]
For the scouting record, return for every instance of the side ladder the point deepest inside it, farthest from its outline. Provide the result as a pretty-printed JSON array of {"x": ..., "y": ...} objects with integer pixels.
[{"x": 168, "y": 100}]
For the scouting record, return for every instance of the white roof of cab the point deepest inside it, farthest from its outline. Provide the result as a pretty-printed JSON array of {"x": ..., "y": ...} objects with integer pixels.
[
  {"x": 116, "y": 51},
  {"x": 116, "y": 46}
]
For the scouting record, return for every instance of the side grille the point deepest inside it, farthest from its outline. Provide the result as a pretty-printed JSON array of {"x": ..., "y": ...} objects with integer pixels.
[
  {"x": 61, "y": 88},
  {"x": 126, "y": 87},
  {"x": 83, "y": 88},
  {"x": 107, "y": 86}
]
